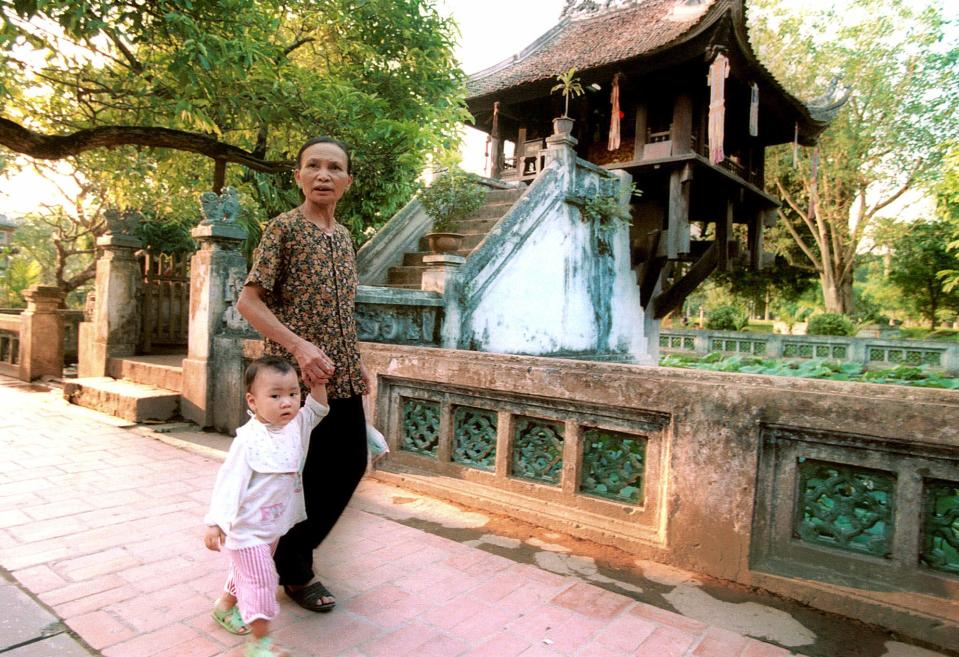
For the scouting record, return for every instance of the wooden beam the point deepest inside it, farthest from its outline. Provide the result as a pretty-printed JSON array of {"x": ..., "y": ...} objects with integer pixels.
[
  {"x": 755, "y": 228},
  {"x": 639, "y": 144},
  {"x": 682, "y": 129},
  {"x": 673, "y": 298},
  {"x": 651, "y": 268},
  {"x": 724, "y": 231},
  {"x": 677, "y": 243}
]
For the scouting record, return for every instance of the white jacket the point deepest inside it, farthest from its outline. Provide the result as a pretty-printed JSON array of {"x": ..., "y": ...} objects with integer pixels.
[{"x": 258, "y": 494}]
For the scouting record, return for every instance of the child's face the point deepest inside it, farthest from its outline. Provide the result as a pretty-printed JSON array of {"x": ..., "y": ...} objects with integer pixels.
[{"x": 274, "y": 396}]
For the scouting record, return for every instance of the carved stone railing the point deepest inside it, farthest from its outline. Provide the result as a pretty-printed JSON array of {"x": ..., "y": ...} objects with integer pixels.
[
  {"x": 872, "y": 352},
  {"x": 842, "y": 495},
  {"x": 398, "y": 316}
]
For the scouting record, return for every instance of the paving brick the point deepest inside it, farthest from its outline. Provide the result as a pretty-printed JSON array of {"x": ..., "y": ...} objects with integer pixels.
[
  {"x": 403, "y": 641},
  {"x": 664, "y": 617},
  {"x": 592, "y": 601},
  {"x": 482, "y": 625},
  {"x": 717, "y": 642},
  {"x": 759, "y": 649},
  {"x": 502, "y": 645},
  {"x": 150, "y": 611},
  {"x": 101, "y": 630},
  {"x": 625, "y": 633},
  {"x": 13, "y": 517},
  {"x": 39, "y": 579},
  {"x": 667, "y": 642},
  {"x": 154, "y": 643},
  {"x": 101, "y": 563},
  {"x": 81, "y": 589}
]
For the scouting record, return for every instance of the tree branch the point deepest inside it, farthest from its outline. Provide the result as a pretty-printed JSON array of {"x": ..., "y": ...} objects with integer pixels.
[
  {"x": 799, "y": 241},
  {"x": 55, "y": 147}
]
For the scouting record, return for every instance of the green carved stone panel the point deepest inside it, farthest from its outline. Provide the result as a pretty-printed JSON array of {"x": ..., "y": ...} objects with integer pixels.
[
  {"x": 421, "y": 426},
  {"x": 845, "y": 507},
  {"x": 940, "y": 544},
  {"x": 474, "y": 437},
  {"x": 613, "y": 465},
  {"x": 538, "y": 450}
]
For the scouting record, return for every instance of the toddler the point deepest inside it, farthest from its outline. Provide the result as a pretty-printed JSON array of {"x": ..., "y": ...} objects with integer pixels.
[{"x": 258, "y": 496}]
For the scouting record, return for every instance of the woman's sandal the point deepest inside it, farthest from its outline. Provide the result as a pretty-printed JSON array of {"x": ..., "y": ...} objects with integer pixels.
[
  {"x": 230, "y": 620},
  {"x": 264, "y": 648},
  {"x": 311, "y": 597}
]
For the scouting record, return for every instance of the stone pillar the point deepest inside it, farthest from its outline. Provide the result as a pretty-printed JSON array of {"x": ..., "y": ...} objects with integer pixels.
[
  {"x": 41, "y": 333},
  {"x": 440, "y": 269},
  {"x": 115, "y": 329},
  {"x": 217, "y": 272}
]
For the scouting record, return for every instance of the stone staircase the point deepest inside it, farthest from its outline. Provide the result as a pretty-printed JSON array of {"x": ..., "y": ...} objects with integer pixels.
[
  {"x": 139, "y": 388},
  {"x": 474, "y": 229}
]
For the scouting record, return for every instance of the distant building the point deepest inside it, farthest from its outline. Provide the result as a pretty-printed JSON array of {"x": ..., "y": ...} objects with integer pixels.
[{"x": 7, "y": 228}]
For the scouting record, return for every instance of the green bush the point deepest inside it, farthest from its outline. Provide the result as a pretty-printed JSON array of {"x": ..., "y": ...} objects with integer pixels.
[
  {"x": 726, "y": 318},
  {"x": 452, "y": 196},
  {"x": 830, "y": 324}
]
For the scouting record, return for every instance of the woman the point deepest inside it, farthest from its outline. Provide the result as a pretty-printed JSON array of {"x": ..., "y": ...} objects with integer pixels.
[{"x": 300, "y": 296}]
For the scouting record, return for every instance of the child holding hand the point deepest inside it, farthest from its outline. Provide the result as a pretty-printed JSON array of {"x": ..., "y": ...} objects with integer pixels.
[{"x": 258, "y": 497}]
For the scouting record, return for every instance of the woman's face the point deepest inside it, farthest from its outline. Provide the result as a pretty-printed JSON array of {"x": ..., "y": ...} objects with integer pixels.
[{"x": 322, "y": 173}]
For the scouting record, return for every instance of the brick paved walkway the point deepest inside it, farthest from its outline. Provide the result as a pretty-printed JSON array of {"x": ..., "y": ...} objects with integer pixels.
[{"x": 104, "y": 525}]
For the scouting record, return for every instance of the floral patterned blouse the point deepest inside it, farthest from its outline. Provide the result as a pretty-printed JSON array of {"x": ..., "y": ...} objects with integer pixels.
[{"x": 310, "y": 277}]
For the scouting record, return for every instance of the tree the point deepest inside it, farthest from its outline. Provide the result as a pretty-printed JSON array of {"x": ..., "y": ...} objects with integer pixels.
[
  {"x": 887, "y": 139},
  {"x": 947, "y": 197},
  {"x": 234, "y": 81},
  {"x": 918, "y": 257}
]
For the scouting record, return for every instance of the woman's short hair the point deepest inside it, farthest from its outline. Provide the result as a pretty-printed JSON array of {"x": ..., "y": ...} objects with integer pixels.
[
  {"x": 275, "y": 363},
  {"x": 326, "y": 140}
]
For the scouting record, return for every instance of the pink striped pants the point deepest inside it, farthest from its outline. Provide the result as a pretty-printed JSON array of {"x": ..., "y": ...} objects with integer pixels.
[{"x": 253, "y": 580}]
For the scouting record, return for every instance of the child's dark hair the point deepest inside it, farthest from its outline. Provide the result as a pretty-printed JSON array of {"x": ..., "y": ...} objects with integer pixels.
[
  {"x": 342, "y": 145},
  {"x": 276, "y": 363}
]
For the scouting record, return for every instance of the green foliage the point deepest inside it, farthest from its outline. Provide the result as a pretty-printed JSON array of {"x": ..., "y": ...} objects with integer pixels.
[
  {"x": 813, "y": 369},
  {"x": 904, "y": 81},
  {"x": 726, "y": 318},
  {"x": 605, "y": 208},
  {"x": 919, "y": 255},
  {"x": 947, "y": 198},
  {"x": 830, "y": 324},
  {"x": 569, "y": 86},
  {"x": 453, "y": 195},
  {"x": 19, "y": 274},
  {"x": 261, "y": 75}
]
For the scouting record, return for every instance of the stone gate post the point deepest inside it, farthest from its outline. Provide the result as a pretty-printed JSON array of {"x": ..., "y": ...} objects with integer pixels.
[
  {"x": 217, "y": 268},
  {"x": 41, "y": 333},
  {"x": 115, "y": 328}
]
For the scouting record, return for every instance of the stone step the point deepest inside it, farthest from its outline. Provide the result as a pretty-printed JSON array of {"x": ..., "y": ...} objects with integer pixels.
[
  {"x": 415, "y": 258},
  {"x": 490, "y": 211},
  {"x": 474, "y": 225},
  {"x": 406, "y": 275},
  {"x": 134, "y": 402},
  {"x": 504, "y": 195},
  {"x": 161, "y": 371}
]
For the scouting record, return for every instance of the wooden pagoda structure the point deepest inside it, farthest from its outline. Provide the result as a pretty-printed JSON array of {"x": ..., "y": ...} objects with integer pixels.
[{"x": 675, "y": 95}]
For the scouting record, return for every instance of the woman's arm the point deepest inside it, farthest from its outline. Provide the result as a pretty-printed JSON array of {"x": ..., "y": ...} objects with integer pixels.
[{"x": 315, "y": 366}]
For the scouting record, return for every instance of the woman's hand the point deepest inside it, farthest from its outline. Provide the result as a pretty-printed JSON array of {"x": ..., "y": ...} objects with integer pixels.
[
  {"x": 315, "y": 366},
  {"x": 214, "y": 538}
]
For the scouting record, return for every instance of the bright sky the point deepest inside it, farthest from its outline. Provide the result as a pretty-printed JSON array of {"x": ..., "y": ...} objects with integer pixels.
[{"x": 491, "y": 31}]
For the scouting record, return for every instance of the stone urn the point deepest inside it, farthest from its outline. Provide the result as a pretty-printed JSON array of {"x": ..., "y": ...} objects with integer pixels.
[
  {"x": 444, "y": 242},
  {"x": 562, "y": 125}
]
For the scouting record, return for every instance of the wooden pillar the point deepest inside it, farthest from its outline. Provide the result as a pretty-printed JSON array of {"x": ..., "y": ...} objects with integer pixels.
[
  {"x": 677, "y": 241},
  {"x": 639, "y": 144},
  {"x": 724, "y": 231},
  {"x": 756, "y": 241},
  {"x": 496, "y": 145},
  {"x": 682, "y": 130}
]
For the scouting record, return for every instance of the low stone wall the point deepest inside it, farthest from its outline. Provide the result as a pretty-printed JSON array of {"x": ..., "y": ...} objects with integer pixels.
[
  {"x": 844, "y": 496},
  {"x": 875, "y": 352}
]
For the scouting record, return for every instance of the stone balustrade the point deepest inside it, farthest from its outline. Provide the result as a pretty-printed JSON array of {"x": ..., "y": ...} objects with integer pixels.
[
  {"x": 872, "y": 352},
  {"x": 842, "y": 495}
]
